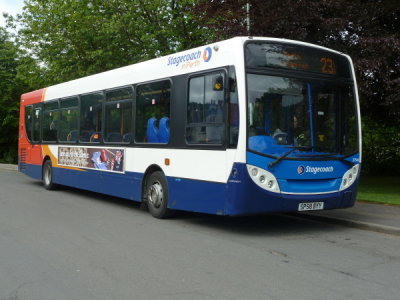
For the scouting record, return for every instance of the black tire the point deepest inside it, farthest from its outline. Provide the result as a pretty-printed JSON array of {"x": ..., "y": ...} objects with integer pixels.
[
  {"x": 47, "y": 175},
  {"x": 157, "y": 195}
]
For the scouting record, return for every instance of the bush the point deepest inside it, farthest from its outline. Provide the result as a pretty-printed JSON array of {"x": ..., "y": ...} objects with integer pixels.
[
  {"x": 8, "y": 154},
  {"x": 381, "y": 147}
]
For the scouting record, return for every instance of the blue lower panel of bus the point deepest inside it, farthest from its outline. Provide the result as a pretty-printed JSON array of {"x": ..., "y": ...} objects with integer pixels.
[
  {"x": 197, "y": 196},
  {"x": 244, "y": 197},
  {"x": 34, "y": 171},
  {"x": 184, "y": 194},
  {"x": 126, "y": 185},
  {"x": 239, "y": 196}
]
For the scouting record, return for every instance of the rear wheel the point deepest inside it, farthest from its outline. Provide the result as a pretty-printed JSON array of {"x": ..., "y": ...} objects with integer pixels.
[
  {"x": 48, "y": 176},
  {"x": 157, "y": 195}
]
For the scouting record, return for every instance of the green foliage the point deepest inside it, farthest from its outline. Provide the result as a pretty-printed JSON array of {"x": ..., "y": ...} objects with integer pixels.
[
  {"x": 71, "y": 39},
  {"x": 379, "y": 189},
  {"x": 60, "y": 40},
  {"x": 367, "y": 30},
  {"x": 381, "y": 147},
  {"x": 10, "y": 87}
]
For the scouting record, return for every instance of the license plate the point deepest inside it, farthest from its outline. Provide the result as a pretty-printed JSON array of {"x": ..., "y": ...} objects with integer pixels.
[{"x": 311, "y": 206}]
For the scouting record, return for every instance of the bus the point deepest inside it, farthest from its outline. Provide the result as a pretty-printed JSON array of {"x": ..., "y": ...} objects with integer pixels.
[{"x": 248, "y": 125}]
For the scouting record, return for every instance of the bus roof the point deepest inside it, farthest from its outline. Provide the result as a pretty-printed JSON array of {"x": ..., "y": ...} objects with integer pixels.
[{"x": 215, "y": 55}]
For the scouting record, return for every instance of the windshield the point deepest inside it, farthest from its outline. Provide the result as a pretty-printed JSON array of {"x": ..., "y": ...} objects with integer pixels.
[{"x": 316, "y": 117}]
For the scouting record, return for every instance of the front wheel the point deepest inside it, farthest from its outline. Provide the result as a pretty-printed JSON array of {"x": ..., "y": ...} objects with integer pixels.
[
  {"x": 48, "y": 176},
  {"x": 157, "y": 195}
]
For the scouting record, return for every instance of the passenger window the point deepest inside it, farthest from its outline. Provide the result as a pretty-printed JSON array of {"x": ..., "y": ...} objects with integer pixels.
[
  {"x": 50, "y": 121},
  {"x": 28, "y": 121},
  {"x": 37, "y": 119},
  {"x": 91, "y": 118},
  {"x": 153, "y": 112},
  {"x": 206, "y": 105},
  {"x": 69, "y": 119},
  {"x": 118, "y": 126}
]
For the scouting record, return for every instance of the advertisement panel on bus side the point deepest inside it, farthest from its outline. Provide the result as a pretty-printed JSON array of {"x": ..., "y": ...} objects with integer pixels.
[{"x": 103, "y": 159}]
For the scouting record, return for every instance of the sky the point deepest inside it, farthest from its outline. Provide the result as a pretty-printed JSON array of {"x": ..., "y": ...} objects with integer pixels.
[{"x": 12, "y": 7}]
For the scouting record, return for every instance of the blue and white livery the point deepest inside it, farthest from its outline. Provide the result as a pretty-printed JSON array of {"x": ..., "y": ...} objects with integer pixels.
[{"x": 244, "y": 126}]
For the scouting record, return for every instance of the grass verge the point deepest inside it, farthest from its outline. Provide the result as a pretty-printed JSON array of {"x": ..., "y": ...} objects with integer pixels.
[{"x": 380, "y": 189}]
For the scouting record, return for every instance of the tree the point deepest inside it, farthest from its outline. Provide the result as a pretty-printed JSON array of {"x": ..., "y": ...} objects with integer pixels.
[
  {"x": 367, "y": 30},
  {"x": 9, "y": 98},
  {"x": 60, "y": 40},
  {"x": 72, "y": 38}
]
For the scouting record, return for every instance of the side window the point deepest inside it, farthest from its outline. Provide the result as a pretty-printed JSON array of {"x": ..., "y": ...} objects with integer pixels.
[
  {"x": 37, "y": 120},
  {"x": 153, "y": 112},
  {"x": 28, "y": 121},
  {"x": 349, "y": 121},
  {"x": 50, "y": 121},
  {"x": 205, "y": 115},
  {"x": 118, "y": 123},
  {"x": 91, "y": 118},
  {"x": 69, "y": 119},
  {"x": 233, "y": 110}
]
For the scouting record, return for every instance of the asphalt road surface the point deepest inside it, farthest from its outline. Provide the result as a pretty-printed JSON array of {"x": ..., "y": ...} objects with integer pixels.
[{"x": 70, "y": 244}]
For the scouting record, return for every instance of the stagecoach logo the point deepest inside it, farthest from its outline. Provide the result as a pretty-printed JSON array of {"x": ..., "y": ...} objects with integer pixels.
[
  {"x": 300, "y": 170},
  {"x": 207, "y": 54},
  {"x": 314, "y": 170},
  {"x": 190, "y": 60}
]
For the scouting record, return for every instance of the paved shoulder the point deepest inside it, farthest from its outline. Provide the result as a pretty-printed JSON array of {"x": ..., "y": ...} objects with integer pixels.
[
  {"x": 376, "y": 217},
  {"x": 9, "y": 167}
]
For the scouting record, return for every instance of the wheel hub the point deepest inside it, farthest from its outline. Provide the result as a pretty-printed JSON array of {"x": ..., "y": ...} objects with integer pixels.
[{"x": 155, "y": 194}]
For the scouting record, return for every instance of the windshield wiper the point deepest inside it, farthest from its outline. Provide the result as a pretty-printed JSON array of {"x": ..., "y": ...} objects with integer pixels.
[{"x": 271, "y": 164}]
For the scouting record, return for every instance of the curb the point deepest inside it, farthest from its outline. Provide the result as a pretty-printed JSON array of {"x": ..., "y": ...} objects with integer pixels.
[
  {"x": 353, "y": 223},
  {"x": 9, "y": 167}
]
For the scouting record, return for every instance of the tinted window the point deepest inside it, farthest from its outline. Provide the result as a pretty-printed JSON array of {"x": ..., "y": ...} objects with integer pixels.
[
  {"x": 69, "y": 119},
  {"x": 50, "y": 121},
  {"x": 69, "y": 102},
  {"x": 118, "y": 126},
  {"x": 314, "y": 116},
  {"x": 205, "y": 115},
  {"x": 91, "y": 118},
  {"x": 153, "y": 112},
  {"x": 37, "y": 118},
  {"x": 28, "y": 121},
  {"x": 349, "y": 121},
  {"x": 233, "y": 110},
  {"x": 119, "y": 94}
]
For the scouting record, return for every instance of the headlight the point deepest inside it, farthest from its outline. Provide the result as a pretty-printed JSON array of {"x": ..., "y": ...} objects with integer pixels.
[
  {"x": 349, "y": 177},
  {"x": 270, "y": 184},
  {"x": 263, "y": 179}
]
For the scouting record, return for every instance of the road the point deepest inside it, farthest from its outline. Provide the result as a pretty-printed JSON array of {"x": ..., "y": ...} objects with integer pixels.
[{"x": 69, "y": 244}]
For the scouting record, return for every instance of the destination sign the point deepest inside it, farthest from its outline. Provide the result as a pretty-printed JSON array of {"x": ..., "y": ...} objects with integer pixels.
[{"x": 297, "y": 57}]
